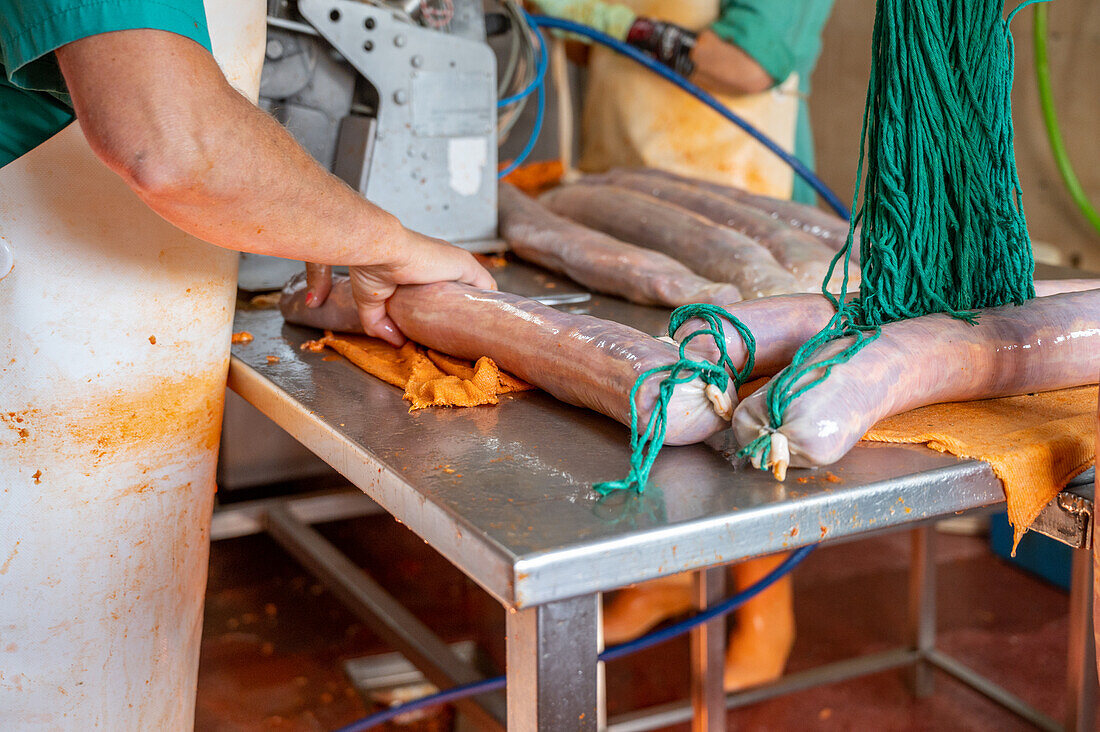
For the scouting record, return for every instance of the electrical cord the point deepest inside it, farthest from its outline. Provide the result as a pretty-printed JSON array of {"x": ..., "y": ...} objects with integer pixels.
[
  {"x": 1050, "y": 121},
  {"x": 545, "y": 21},
  {"x": 623, "y": 649},
  {"x": 537, "y": 85},
  {"x": 519, "y": 70}
]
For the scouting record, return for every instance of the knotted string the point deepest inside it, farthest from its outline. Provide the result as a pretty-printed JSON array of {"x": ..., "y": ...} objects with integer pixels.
[{"x": 645, "y": 446}]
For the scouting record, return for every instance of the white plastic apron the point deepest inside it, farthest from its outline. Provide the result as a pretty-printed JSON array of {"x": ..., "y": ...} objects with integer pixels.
[
  {"x": 114, "y": 343},
  {"x": 633, "y": 118}
]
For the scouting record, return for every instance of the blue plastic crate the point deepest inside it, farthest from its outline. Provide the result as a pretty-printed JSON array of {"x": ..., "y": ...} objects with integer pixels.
[{"x": 1037, "y": 554}]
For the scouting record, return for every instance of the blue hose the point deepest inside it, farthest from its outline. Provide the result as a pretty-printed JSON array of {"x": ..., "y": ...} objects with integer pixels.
[
  {"x": 623, "y": 649},
  {"x": 537, "y": 84},
  {"x": 545, "y": 21}
]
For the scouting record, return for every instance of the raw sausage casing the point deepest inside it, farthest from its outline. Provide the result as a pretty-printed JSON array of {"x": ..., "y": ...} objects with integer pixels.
[
  {"x": 1048, "y": 343},
  {"x": 579, "y": 359},
  {"x": 599, "y": 261}
]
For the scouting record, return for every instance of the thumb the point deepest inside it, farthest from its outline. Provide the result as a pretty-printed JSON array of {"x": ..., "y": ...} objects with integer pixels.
[
  {"x": 318, "y": 284},
  {"x": 371, "y": 293}
]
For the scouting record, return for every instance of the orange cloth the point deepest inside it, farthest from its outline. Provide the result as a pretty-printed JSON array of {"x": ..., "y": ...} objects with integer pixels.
[
  {"x": 430, "y": 379},
  {"x": 1035, "y": 443},
  {"x": 538, "y": 177}
]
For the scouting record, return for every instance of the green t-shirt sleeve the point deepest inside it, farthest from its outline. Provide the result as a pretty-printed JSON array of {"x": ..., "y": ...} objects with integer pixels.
[
  {"x": 30, "y": 30},
  {"x": 783, "y": 36}
]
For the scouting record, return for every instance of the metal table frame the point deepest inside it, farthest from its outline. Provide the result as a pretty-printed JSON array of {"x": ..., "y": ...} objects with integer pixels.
[{"x": 546, "y": 581}]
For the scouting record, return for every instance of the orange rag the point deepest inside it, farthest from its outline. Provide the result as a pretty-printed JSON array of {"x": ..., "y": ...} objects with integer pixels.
[
  {"x": 430, "y": 379},
  {"x": 535, "y": 178},
  {"x": 1035, "y": 443}
]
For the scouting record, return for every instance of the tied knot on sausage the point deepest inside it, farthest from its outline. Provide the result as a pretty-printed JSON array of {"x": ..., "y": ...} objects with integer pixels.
[{"x": 645, "y": 445}]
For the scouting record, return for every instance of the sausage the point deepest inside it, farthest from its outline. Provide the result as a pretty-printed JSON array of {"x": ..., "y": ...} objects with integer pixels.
[
  {"x": 829, "y": 229},
  {"x": 781, "y": 324},
  {"x": 804, "y": 256},
  {"x": 1047, "y": 343},
  {"x": 338, "y": 313},
  {"x": 706, "y": 248},
  {"x": 579, "y": 359},
  {"x": 600, "y": 262}
]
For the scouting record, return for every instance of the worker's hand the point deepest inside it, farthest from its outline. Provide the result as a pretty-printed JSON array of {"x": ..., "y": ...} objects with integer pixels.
[
  {"x": 318, "y": 284},
  {"x": 607, "y": 17},
  {"x": 419, "y": 260}
]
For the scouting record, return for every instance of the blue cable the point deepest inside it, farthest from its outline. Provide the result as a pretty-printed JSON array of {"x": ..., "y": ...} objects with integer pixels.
[
  {"x": 541, "y": 65},
  {"x": 540, "y": 115},
  {"x": 535, "y": 132},
  {"x": 623, "y": 649},
  {"x": 545, "y": 21}
]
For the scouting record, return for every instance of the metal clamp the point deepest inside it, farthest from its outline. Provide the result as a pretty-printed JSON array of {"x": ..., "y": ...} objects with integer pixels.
[{"x": 1068, "y": 519}]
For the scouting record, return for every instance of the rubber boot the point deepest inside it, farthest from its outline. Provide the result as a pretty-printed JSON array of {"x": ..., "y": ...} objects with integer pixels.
[{"x": 762, "y": 639}]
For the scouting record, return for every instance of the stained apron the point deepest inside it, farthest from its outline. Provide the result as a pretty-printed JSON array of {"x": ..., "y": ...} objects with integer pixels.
[{"x": 114, "y": 345}]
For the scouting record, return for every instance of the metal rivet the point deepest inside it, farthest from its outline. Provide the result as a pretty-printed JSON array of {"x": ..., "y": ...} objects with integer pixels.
[
  {"x": 274, "y": 50},
  {"x": 400, "y": 96},
  {"x": 417, "y": 61},
  {"x": 334, "y": 15},
  {"x": 399, "y": 41},
  {"x": 369, "y": 23},
  {"x": 368, "y": 46}
]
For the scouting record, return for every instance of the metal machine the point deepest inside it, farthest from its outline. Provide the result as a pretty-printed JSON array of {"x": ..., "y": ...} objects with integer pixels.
[{"x": 399, "y": 99}]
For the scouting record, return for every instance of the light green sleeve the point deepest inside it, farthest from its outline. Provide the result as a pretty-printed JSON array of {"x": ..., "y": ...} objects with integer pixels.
[{"x": 783, "y": 36}]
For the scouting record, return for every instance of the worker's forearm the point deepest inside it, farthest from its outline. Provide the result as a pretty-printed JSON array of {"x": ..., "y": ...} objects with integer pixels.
[
  {"x": 266, "y": 195},
  {"x": 725, "y": 68},
  {"x": 211, "y": 162}
]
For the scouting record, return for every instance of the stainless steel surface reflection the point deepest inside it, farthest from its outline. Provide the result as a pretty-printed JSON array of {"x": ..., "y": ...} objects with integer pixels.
[{"x": 505, "y": 492}]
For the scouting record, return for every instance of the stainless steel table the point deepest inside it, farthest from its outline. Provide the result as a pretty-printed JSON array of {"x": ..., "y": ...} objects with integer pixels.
[{"x": 505, "y": 494}]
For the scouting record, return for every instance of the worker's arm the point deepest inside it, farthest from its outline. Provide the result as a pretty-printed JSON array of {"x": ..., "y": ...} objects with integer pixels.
[
  {"x": 724, "y": 68},
  {"x": 156, "y": 108},
  {"x": 710, "y": 61}
]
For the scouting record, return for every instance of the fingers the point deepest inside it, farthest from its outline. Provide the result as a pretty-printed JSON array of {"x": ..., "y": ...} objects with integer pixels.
[
  {"x": 318, "y": 284},
  {"x": 378, "y": 324},
  {"x": 469, "y": 271},
  {"x": 371, "y": 290},
  {"x": 477, "y": 276}
]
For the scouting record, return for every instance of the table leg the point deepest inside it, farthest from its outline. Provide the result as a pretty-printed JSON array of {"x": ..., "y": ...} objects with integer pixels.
[
  {"x": 922, "y": 607},
  {"x": 552, "y": 666},
  {"x": 708, "y": 655},
  {"x": 1081, "y": 666}
]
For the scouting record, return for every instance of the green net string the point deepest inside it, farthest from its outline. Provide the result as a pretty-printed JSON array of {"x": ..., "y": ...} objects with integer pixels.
[{"x": 646, "y": 445}]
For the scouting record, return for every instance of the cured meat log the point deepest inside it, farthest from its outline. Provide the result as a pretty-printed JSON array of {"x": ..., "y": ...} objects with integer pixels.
[
  {"x": 706, "y": 248},
  {"x": 1047, "y": 343},
  {"x": 801, "y": 254},
  {"x": 579, "y": 359},
  {"x": 600, "y": 262},
  {"x": 781, "y": 324},
  {"x": 829, "y": 229}
]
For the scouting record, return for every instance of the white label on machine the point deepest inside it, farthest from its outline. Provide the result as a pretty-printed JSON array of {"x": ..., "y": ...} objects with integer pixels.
[{"x": 466, "y": 159}]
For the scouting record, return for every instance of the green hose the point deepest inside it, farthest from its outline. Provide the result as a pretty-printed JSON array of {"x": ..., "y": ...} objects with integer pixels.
[{"x": 1050, "y": 120}]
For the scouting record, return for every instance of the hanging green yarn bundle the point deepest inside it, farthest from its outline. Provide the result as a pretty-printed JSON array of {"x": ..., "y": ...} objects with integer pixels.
[
  {"x": 942, "y": 215},
  {"x": 943, "y": 228}
]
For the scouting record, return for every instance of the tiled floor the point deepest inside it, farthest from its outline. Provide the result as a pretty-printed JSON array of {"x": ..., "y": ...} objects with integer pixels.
[{"x": 274, "y": 639}]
